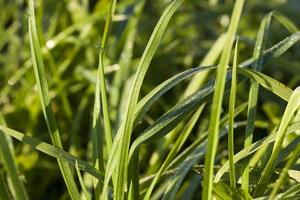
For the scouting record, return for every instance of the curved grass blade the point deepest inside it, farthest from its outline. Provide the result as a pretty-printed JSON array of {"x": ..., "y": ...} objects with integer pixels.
[
  {"x": 231, "y": 117},
  {"x": 121, "y": 172},
  {"x": 292, "y": 107},
  {"x": 53, "y": 151},
  {"x": 145, "y": 103},
  {"x": 253, "y": 148},
  {"x": 268, "y": 83},
  {"x": 207, "y": 183},
  {"x": 41, "y": 80},
  {"x": 166, "y": 122}
]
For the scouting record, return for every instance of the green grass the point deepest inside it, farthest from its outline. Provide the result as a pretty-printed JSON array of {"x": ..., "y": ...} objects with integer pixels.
[{"x": 149, "y": 99}]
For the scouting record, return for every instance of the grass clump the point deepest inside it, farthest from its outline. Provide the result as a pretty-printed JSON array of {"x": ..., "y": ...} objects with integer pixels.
[{"x": 149, "y": 122}]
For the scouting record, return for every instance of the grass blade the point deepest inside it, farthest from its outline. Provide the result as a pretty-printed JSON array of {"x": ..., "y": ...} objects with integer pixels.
[
  {"x": 86, "y": 194},
  {"x": 268, "y": 83},
  {"x": 288, "y": 24},
  {"x": 253, "y": 93},
  {"x": 7, "y": 155},
  {"x": 253, "y": 148},
  {"x": 198, "y": 142},
  {"x": 4, "y": 193},
  {"x": 100, "y": 93},
  {"x": 217, "y": 102},
  {"x": 53, "y": 151},
  {"x": 146, "y": 102},
  {"x": 211, "y": 57},
  {"x": 291, "y": 161},
  {"x": 182, "y": 138},
  {"x": 231, "y": 117},
  {"x": 41, "y": 80},
  {"x": 125, "y": 60},
  {"x": 292, "y": 107}
]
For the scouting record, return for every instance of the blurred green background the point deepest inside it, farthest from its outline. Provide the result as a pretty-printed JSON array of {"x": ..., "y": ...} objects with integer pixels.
[{"x": 70, "y": 36}]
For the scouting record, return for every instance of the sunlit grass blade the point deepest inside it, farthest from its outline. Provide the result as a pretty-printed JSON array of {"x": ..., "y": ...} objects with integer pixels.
[
  {"x": 292, "y": 107},
  {"x": 53, "y": 151},
  {"x": 253, "y": 148},
  {"x": 121, "y": 172},
  {"x": 41, "y": 80},
  {"x": 217, "y": 102},
  {"x": 232, "y": 100}
]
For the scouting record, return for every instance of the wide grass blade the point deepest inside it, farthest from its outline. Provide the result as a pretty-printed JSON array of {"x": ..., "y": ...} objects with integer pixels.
[
  {"x": 41, "y": 79},
  {"x": 53, "y": 151},
  {"x": 217, "y": 102},
  {"x": 292, "y": 107}
]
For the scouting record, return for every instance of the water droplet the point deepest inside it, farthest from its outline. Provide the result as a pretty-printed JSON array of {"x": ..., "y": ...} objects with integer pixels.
[{"x": 50, "y": 44}]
